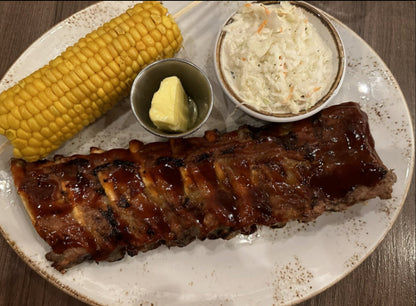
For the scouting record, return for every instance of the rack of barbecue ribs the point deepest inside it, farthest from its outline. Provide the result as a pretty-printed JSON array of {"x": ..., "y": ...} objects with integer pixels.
[{"x": 108, "y": 203}]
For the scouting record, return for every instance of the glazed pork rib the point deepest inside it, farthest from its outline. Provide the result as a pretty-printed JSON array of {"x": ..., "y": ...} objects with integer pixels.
[{"x": 105, "y": 204}]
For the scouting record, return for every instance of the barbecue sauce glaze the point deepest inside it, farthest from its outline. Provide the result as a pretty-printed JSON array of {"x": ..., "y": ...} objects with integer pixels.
[{"x": 131, "y": 200}]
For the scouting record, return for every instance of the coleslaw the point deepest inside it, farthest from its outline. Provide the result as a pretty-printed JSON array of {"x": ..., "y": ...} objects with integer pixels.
[{"x": 274, "y": 58}]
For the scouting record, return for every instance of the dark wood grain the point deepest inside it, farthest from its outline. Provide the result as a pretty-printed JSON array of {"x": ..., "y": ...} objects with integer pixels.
[{"x": 386, "y": 277}]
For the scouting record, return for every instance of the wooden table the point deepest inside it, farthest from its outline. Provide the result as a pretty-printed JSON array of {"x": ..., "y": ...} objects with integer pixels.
[{"x": 386, "y": 277}]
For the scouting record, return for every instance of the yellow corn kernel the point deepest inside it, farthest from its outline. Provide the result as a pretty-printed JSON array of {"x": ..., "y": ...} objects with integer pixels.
[
  {"x": 46, "y": 144},
  {"x": 90, "y": 86},
  {"x": 31, "y": 108},
  {"x": 94, "y": 47},
  {"x": 38, "y": 104},
  {"x": 129, "y": 72},
  {"x": 48, "y": 115},
  {"x": 29, "y": 151},
  {"x": 82, "y": 42},
  {"x": 117, "y": 45},
  {"x": 135, "y": 66},
  {"x": 20, "y": 143},
  {"x": 69, "y": 81},
  {"x": 156, "y": 18},
  {"x": 39, "y": 84},
  {"x": 62, "y": 68},
  {"x": 41, "y": 120},
  {"x": 161, "y": 28},
  {"x": 170, "y": 36},
  {"x": 112, "y": 33},
  {"x": 71, "y": 97},
  {"x": 63, "y": 86},
  {"x": 126, "y": 26},
  {"x": 119, "y": 30},
  {"x": 16, "y": 113},
  {"x": 65, "y": 102},
  {"x": 135, "y": 34},
  {"x": 76, "y": 120},
  {"x": 166, "y": 21},
  {"x": 84, "y": 88},
  {"x": 87, "y": 69},
  {"x": 174, "y": 45},
  {"x": 54, "y": 127},
  {"x": 142, "y": 29},
  {"x": 77, "y": 94},
  {"x": 87, "y": 52},
  {"x": 164, "y": 41},
  {"x": 56, "y": 73},
  {"x": 69, "y": 65},
  {"x": 81, "y": 57},
  {"x": 148, "y": 40},
  {"x": 34, "y": 142},
  {"x": 168, "y": 51},
  {"x": 71, "y": 125},
  {"x": 130, "y": 39},
  {"x": 101, "y": 43},
  {"x": 92, "y": 36},
  {"x": 67, "y": 119},
  {"x": 152, "y": 51},
  {"x": 122, "y": 77},
  {"x": 59, "y": 107},
  {"x": 24, "y": 95},
  {"x": 60, "y": 122},
  {"x": 146, "y": 56},
  {"x": 114, "y": 67},
  {"x": 8, "y": 104},
  {"x": 159, "y": 47},
  {"x": 96, "y": 80},
  {"x": 34, "y": 126},
  {"x": 100, "y": 60},
  {"x": 21, "y": 133},
  {"x": 101, "y": 93},
  {"x": 106, "y": 55},
  {"x": 46, "y": 132},
  {"x": 78, "y": 108},
  {"x": 115, "y": 82},
  {"x": 124, "y": 41},
  {"x": 50, "y": 76},
  {"x": 156, "y": 35},
  {"x": 46, "y": 102},
  {"x": 50, "y": 94},
  {"x": 107, "y": 70},
  {"x": 177, "y": 33},
  {"x": 79, "y": 71},
  {"x": 144, "y": 14},
  {"x": 24, "y": 112},
  {"x": 92, "y": 62},
  {"x": 12, "y": 121}
]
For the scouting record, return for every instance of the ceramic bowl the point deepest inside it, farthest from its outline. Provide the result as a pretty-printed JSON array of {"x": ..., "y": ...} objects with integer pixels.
[
  {"x": 328, "y": 34},
  {"x": 194, "y": 81}
]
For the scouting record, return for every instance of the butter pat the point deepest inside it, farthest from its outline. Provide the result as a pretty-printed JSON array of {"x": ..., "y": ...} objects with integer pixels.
[{"x": 169, "y": 110}]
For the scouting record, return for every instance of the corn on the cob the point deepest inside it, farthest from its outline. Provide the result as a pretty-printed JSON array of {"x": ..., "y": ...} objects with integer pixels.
[{"x": 54, "y": 103}]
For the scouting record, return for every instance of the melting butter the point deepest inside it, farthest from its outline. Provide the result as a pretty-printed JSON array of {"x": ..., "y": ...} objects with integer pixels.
[{"x": 169, "y": 110}]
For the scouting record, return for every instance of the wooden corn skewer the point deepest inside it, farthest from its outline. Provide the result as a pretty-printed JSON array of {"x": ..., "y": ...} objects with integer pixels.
[{"x": 185, "y": 9}]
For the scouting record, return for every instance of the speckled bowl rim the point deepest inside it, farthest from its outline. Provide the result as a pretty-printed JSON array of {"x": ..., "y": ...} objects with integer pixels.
[{"x": 285, "y": 117}]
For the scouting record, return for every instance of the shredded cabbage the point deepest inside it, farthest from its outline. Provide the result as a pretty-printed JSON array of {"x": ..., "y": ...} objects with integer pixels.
[{"x": 274, "y": 58}]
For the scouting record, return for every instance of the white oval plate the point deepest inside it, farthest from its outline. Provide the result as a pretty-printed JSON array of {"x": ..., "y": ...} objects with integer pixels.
[{"x": 280, "y": 266}]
